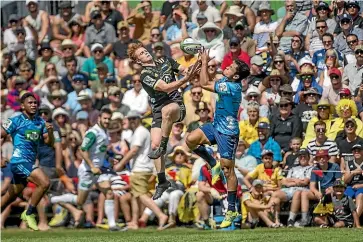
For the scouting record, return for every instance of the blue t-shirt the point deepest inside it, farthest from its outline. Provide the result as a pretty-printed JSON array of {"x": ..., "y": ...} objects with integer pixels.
[
  {"x": 227, "y": 106},
  {"x": 333, "y": 173},
  {"x": 26, "y": 134}
]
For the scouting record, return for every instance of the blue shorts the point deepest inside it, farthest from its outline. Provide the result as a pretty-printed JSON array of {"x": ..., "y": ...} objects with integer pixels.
[
  {"x": 21, "y": 171},
  {"x": 353, "y": 193},
  {"x": 227, "y": 144}
]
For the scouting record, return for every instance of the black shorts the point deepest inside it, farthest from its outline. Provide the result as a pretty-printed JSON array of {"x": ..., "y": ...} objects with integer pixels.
[
  {"x": 157, "y": 116},
  {"x": 333, "y": 219}
]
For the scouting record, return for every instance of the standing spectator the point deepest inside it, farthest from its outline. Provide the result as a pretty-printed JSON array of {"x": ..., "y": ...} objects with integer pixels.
[
  {"x": 60, "y": 25},
  {"x": 233, "y": 15},
  {"x": 69, "y": 50},
  {"x": 211, "y": 12},
  {"x": 234, "y": 53},
  {"x": 294, "y": 23},
  {"x": 346, "y": 23},
  {"x": 155, "y": 37},
  {"x": 143, "y": 21},
  {"x": 136, "y": 98},
  {"x": 99, "y": 32},
  {"x": 354, "y": 177},
  {"x": 265, "y": 27},
  {"x": 109, "y": 15},
  {"x": 265, "y": 142},
  {"x": 142, "y": 170},
  {"x": 247, "y": 44},
  {"x": 321, "y": 142},
  {"x": 98, "y": 56},
  {"x": 285, "y": 125},
  {"x": 38, "y": 20},
  {"x": 353, "y": 73}
]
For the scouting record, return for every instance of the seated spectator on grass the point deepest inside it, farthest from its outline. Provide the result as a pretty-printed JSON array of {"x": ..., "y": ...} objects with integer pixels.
[
  {"x": 78, "y": 83},
  {"x": 253, "y": 94},
  {"x": 322, "y": 179},
  {"x": 265, "y": 172},
  {"x": 29, "y": 45},
  {"x": 265, "y": 142},
  {"x": 257, "y": 73},
  {"x": 116, "y": 105},
  {"x": 270, "y": 87},
  {"x": 60, "y": 23},
  {"x": 353, "y": 71},
  {"x": 295, "y": 53},
  {"x": 39, "y": 21},
  {"x": 45, "y": 56},
  {"x": 248, "y": 45},
  {"x": 307, "y": 80},
  {"x": 296, "y": 181},
  {"x": 353, "y": 177},
  {"x": 9, "y": 37},
  {"x": 136, "y": 98}
]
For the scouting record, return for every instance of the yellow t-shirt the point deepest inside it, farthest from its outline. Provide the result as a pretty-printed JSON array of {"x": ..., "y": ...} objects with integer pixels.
[
  {"x": 244, "y": 209},
  {"x": 260, "y": 173},
  {"x": 248, "y": 132},
  {"x": 182, "y": 174}
]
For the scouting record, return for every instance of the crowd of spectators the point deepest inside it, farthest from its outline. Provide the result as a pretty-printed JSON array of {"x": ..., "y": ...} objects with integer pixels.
[{"x": 301, "y": 130}]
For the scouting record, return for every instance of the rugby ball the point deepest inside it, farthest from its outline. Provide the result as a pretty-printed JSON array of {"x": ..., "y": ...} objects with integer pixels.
[{"x": 190, "y": 46}]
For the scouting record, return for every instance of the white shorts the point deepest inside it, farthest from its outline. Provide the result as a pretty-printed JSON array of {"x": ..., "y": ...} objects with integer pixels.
[
  {"x": 290, "y": 191},
  {"x": 86, "y": 179}
]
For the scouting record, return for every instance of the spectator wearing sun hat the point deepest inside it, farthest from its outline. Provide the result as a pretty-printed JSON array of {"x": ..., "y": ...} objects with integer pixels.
[
  {"x": 69, "y": 49},
  {"x": 265, "y": 27},
  {"x": 253, "y": 94}
]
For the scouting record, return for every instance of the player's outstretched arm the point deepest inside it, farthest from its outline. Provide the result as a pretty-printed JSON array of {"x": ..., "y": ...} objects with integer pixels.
[{"x": 204, "y": 78}]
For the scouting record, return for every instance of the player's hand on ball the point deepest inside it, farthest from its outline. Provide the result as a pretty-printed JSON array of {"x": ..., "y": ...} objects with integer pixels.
[
  {"x": 204, "y": 55},
  {"x": 49, "y": 126},
  {"x": 96, "y": 170}
]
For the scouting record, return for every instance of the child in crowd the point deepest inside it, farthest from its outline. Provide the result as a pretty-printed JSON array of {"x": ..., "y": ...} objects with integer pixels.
[{"x": 290, "y": 158}]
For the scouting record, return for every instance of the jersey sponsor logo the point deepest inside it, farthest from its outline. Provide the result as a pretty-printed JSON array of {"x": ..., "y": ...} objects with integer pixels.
[
  {"x": 222, "y": 87},
  {"x": 32, "y": 135},
  {"x": 103, "y": 148},
  {"x": 149, "y": 81},
  {"x": 6, "y": 125},
  {"x": 17, "y": 153}
]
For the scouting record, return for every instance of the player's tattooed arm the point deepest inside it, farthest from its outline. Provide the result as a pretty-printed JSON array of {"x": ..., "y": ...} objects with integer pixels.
[{"x": 49, "y": 136}]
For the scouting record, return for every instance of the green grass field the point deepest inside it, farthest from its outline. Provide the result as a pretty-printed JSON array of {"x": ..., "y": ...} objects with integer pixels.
[{"x": 186, "y": 235}]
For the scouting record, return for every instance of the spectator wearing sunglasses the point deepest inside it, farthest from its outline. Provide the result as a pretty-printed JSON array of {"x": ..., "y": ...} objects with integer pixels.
[
  {"x": 253, "y": 94},
  {"x": 353, "y": 73},
  {"x": 110, "y": 15},
  {"x": 247, "y": 44},
  {"x": 346, "y": 23},
  {"x": 331, "y": 93},
  {"x": 211, "y": 37},
  {"x": 352, "y": 8},
  {"x": 307, "y": 80},
  {"x": 235, "y": 52},
  {"x": 69, "y": 50},
  {"x": 155, "y": 37},
  {"x": 295, "y": 54}
]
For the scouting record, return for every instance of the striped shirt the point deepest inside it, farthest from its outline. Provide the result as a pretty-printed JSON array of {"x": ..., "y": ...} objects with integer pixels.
[{"x": 329, "y": 145}]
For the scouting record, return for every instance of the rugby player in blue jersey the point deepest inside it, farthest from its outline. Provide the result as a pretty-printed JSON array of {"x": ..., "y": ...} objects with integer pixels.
[
  {"x": 26, "y": 130},
  {"x": 224, "y": 130}
]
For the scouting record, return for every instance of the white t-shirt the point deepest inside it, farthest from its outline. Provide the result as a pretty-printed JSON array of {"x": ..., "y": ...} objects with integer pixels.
[
  {"x": 141, "y": 162},
  {"x": 211, "y": 13},
  {"x": 10, "y": 39},
  {"x": 138, "y": 102}
]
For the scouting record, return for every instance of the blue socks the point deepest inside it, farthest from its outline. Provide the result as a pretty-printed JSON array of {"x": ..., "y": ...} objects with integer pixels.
[
  {"x": 204, "y": 154},
  {"x": 31, "y": 209},
  {"x": 231, "y": 198}
]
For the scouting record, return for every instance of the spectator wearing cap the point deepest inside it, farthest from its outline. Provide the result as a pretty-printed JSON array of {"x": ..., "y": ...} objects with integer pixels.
[
  {"x": 266, "y": 172},
  {"x": 255, "y": 206},
  {"x": 347, "y": 142},
  {"x": 295, "y": 54},
  {"x": 322, "y": 179},
  {"x": 109, "y": 15},
  {"x": 324, "y": 113},
  {"x": 352, "y": 8},
  {"x": 122, "y": 43},
  {"x": 353, "y": 72},
  {"x": 136, "y": 98},
  {"x": 99, "y": 32},
  {"x": 257, "y": 73},
  {"x": 12, "y": 98},
  {"x": 345, "y": 109},
  {"x": 77, "y": 35},
  {"x": 296, "y": 181},
  {"x": 285, "y": 125},
  {"x": 143, "y": 21},
  {"x": 323, "y": 24},
  {"x": 265, "y": 27},
  {"x": 354, "y": 177},
  {"x": 233, "y": 15},
  {"x": 293, "y": 23},
  {"x": 304, "y": 110},
  {"x": 201, "y": 20},
  {"x": 253, "y": 94},
  {"x": 247, "y": 44},
  {"x": 307, "y": 80},
  {"x": 45, "y": 56},
  {"x": 320, "y": 55},
  {"x": 158, "y": 51},
  {"x": 9, "y": 38},
  {"x": 78, "y": 84},
  {"x": 265, "y": 141},
  {"x": 85, "y": 101},
  {"x": 271, "y": 86},
  {"x": 235, "y": 52},
  {"x": 211, "y": 12},
  {"x": 116, "y": 105},
  {"x": 248, "y": 128},
  {"x": 156, "y": 37},
  {"x": 69, "y": 49},
  {"x": 211, "y": 37},
  {"x": 203, "y": 112},
  {"x": 331, "y": 93},
  {"x": 321, "y": 142},
  {"x": 60, "y": 23},
  {"x": 98, "y": 56},
  {"x": 346, "y": 23},
  {"x": 38, "y": 20},
  {"x": 81, "y": 123}
]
